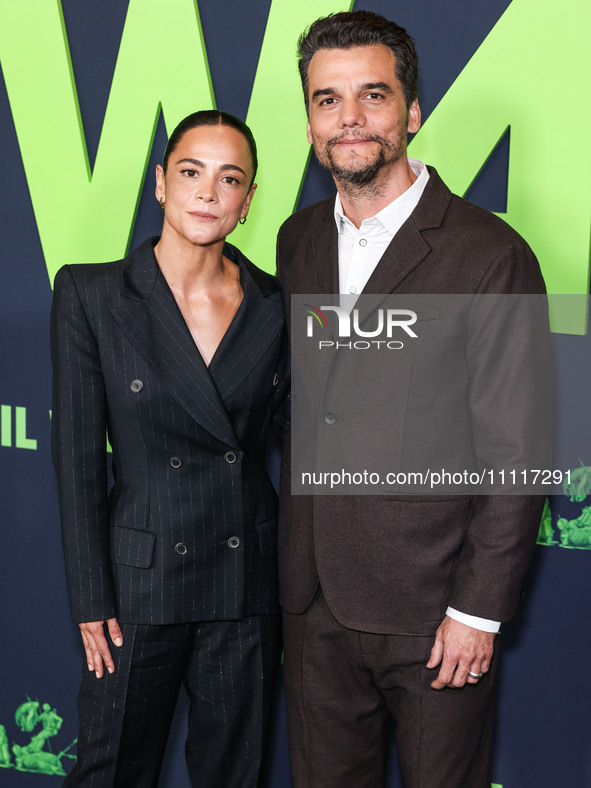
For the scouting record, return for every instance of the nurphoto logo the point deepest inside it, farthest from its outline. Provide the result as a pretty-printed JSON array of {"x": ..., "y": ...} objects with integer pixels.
[{"x": 389, "y": 323}]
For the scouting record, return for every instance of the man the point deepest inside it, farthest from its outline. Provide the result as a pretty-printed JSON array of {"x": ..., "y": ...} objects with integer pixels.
[{"x": 391, "y": 603}]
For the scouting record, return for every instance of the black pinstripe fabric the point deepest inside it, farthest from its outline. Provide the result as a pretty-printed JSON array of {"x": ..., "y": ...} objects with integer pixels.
[
  {"x": 182, "y": 548},
  {"x": 188, "y": 446},
  {"x": 228, "y": 669}
]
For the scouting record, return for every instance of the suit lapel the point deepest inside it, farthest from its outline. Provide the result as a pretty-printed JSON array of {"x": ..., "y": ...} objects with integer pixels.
[
  {"x": 317, "y": 271},
  {"x": 325, "y": 256},
  {"x": 148, "y": 314},
  {"x": 408, "y": 248},
  {"x": 405, "y": 252},
  {"x": 255, "y": 327},
  {"x": 319, "y": 279}
]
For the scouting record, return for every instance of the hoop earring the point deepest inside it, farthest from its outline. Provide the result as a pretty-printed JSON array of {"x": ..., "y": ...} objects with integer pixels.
[
  {"x": 162, "y": 203},
  {"x": 242, "y": 221}
]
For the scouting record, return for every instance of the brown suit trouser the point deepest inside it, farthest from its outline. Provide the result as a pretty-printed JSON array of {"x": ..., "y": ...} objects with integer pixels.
[{"x": 343, "y": 687}]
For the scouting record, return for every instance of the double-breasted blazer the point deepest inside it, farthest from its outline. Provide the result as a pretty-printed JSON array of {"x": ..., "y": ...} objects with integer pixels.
[
  {"x": 392, "y": 564},
  {"x": 187, "y": 529}
]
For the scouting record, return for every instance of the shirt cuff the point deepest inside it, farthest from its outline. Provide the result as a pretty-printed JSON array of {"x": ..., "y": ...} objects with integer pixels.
[{"x": 484, "y": 624}]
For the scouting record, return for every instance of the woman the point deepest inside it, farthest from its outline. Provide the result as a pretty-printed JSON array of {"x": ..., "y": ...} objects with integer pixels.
[{"x": 179, "y": 352}]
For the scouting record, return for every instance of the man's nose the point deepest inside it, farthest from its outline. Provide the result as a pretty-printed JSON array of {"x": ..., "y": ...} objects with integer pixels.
[{"x": 351, "y": 113}]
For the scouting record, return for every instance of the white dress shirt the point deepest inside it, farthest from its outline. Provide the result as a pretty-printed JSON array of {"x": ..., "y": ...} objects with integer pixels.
[{"x": 360, "y": 250}]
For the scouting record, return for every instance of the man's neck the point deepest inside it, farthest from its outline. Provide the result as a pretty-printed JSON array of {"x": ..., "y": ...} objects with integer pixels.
[{"x": 362, "y": 202}]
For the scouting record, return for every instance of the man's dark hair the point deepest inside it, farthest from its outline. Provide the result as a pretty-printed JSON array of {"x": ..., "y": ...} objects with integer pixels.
[
  {"x": 211, "y": 117},
  {"x": 360, "y": 29}
]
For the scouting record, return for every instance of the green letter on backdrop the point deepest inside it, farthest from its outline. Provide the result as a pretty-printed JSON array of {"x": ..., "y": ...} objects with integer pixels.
[
  {"x": 84, "y": 216},
  {"x": 88, "y": 217},
  {"x": 528, "y": 74}
]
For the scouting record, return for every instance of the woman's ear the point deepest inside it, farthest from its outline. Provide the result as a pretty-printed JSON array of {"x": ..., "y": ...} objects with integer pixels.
[
  {"x": 247, "y": 201},
  {"x": 160, "y": 190}
]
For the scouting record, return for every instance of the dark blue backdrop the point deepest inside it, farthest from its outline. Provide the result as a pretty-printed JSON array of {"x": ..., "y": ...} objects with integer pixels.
[{"x": 544, "y": 716}]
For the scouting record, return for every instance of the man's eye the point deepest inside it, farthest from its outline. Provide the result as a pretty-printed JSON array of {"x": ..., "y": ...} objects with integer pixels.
[
  {"x": 375, "y": 95},
  {"x": 189, "y": 173},
  {"x": 327, "y": 101},
  {"x": 230, "y": 179}
]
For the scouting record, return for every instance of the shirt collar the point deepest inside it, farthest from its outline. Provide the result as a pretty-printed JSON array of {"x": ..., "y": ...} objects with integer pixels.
[{"x": 400, "y": 208}]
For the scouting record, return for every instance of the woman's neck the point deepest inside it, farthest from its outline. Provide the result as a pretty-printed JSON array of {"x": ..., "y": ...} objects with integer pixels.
[{"x": 187, "y": 267}]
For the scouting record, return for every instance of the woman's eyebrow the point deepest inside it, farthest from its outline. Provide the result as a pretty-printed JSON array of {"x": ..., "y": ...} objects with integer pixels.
[{"x": 198, "y": 163}]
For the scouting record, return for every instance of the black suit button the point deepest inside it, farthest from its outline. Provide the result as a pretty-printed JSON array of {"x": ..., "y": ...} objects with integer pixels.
[
  {"x": 330, "y": 418},
  {"x": 181, "y": 548},
  {"x": 230, "y": 457},
  {"x": 276, "y": 378},
  {"x": 136, "y": 386},
  {"x": 233, "y": 542},
  {"x": 175, "y": 462}
]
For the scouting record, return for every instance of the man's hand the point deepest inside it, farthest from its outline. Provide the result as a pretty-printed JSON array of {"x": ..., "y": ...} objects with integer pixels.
[
  {"x": 460, "y": 648},
  {"x": 96, "y": 646}
]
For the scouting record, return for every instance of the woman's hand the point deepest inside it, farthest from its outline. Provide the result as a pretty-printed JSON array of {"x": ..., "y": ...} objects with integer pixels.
[{"x": 96, "y": 646}]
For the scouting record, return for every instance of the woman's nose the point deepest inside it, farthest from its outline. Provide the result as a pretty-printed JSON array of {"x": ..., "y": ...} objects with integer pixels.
[{"x": 205, "y": 190}]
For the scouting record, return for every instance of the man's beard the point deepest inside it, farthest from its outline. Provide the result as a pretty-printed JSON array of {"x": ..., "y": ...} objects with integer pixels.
[
  {"x": 364, "y": 174},
  {"x": 356, "y": 177}
]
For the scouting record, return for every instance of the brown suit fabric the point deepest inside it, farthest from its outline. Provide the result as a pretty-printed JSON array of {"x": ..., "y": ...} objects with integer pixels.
[{"x": 390, "y": 565}]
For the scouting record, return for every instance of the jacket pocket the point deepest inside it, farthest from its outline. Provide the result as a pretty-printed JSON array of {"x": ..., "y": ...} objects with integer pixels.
[
  {"x": 132, "y": 547},
  {"x": 267, "y": 532}
]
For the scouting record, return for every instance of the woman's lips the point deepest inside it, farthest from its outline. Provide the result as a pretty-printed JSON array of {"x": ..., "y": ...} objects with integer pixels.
[{"x": 204, "y": 216}]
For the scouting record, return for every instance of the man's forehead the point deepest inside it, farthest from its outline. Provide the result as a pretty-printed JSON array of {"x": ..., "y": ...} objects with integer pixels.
[
  {"x": 362, "y": 53},
  {"x": 358, "y": 61}
]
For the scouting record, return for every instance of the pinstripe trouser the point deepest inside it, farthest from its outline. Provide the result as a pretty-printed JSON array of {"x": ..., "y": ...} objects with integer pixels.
[{"x": 228, "y": 669}]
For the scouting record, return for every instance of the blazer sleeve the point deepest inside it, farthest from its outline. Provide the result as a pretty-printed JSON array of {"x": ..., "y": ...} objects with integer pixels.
[
  {"x": 502, "y": 529},
  {"x": 79, "y": 454}
]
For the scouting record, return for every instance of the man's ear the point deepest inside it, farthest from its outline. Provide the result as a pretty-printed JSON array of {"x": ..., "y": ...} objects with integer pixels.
[
  {"x": 309, "y": 133},
  {"x": 414, "y": 117}
]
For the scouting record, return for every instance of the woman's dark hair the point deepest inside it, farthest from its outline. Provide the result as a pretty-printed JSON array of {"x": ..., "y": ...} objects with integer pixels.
[
  {"x": 360, "y": 29},
  {"x": 211, "y": 117}
]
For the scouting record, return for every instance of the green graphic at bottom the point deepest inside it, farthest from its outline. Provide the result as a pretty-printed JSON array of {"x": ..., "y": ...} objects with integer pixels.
[
  {"x": 4, "y": 753},
  {"x": 546, "y": 532},
  {"x": 576, "y": 533},
  {"x": 32, "y": 757},
  {"x": 578, "y": 486},
  {"x": 573, "y": 534}
]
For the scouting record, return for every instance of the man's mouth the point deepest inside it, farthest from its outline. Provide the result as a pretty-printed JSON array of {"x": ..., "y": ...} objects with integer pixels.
[{"x": 350, "y": 141}]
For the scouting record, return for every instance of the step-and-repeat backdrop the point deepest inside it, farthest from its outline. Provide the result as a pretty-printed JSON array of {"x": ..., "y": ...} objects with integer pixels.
[{"x": 87, "y": 95}]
